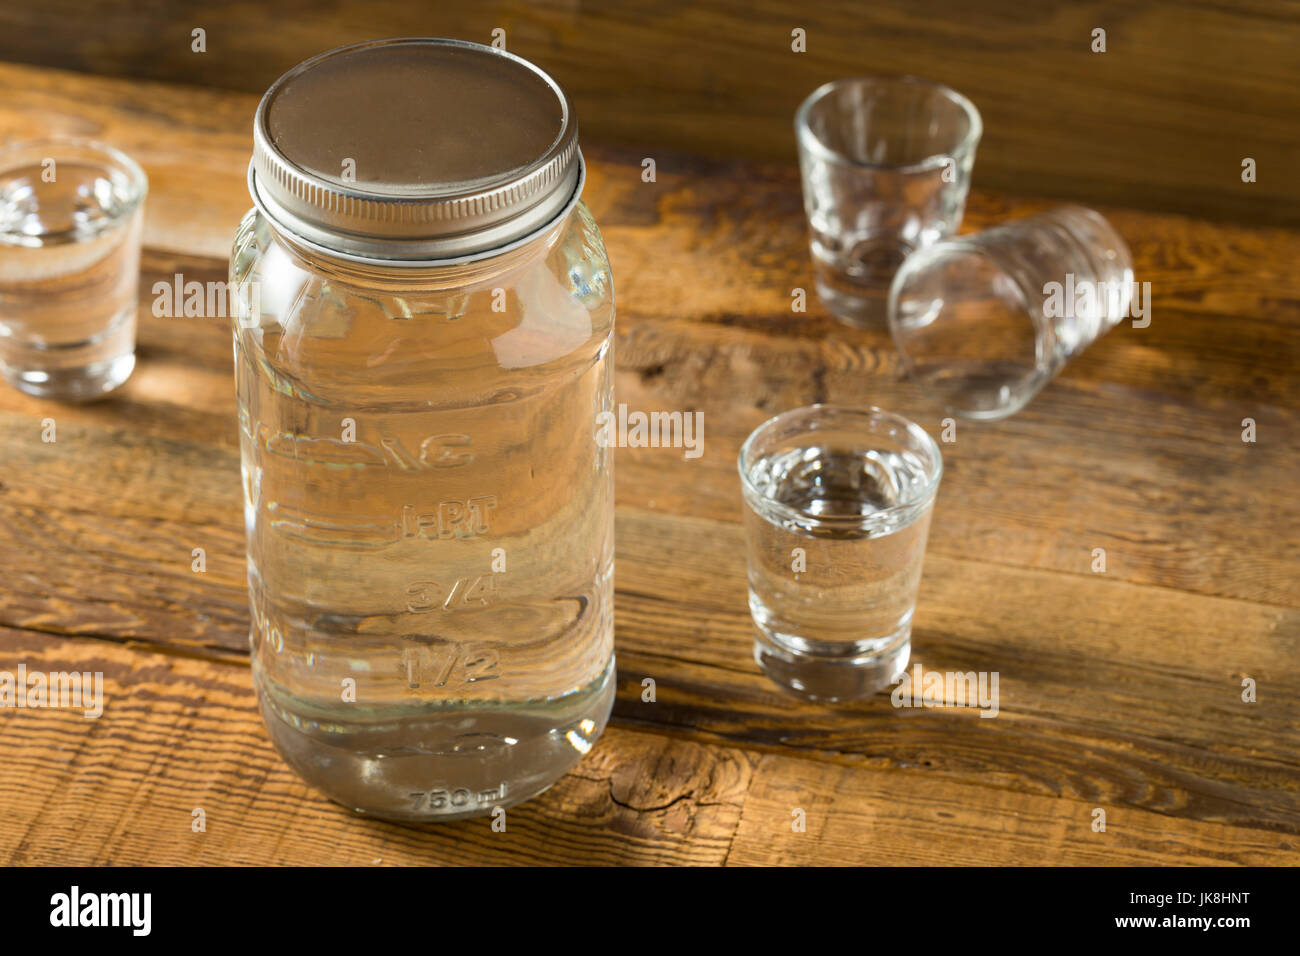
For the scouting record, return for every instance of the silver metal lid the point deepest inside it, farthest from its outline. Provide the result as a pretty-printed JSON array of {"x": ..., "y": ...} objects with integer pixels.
[{"x": 414, "y": 150}]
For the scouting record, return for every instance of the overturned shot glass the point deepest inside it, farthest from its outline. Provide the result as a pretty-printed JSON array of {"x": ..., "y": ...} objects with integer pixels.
[
  {"x": 838, "y": 511},
  {"x": 983, "y": 322},
  {"x": 886, "y": 165},
  {"x": 70, "y": 222}
]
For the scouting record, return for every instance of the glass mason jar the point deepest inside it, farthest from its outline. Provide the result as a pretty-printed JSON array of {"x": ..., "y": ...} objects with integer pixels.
[{"x": 424, "y": 322}]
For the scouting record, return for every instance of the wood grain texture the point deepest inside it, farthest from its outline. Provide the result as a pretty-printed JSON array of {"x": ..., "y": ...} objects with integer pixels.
[
  {"x": 1161, "y": 120},
  {"x": 1119, "y": 691},
  {"x": 180, "y": 734}
]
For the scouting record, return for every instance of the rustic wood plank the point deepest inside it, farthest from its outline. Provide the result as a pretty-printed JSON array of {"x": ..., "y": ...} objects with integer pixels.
[
  {"x": 1107, "y": 689},
  {"x": 1121, "y": 447},
  {"x": 1032, "y": 492},
  {"x": 721, "y": 243},
  {"x": 1162, "y": 119},
  {"x": 1120, "y": 689},
  {"x": 193, "y": 144},
  {"x": 180, "y": 733},
  {"x": 1164, "y": 484},
  {"x": 889, "y": 819}
]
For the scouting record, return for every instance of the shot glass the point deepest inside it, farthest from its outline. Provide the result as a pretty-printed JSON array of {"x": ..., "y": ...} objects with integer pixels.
[
  {"x": 70, "y": 220},
  {"x": 886, "y": 165},
  {"x": 838, "y": 510},
  {"x": 983, "y": 322}
]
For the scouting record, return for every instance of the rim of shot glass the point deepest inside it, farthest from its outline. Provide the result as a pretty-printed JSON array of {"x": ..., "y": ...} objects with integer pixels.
[
  {"x": 51, "y": 147},
  {"x": 809, "y": 140},
  {"x": 1044, "y": 332},
  {"x": 819, "y": 411}
]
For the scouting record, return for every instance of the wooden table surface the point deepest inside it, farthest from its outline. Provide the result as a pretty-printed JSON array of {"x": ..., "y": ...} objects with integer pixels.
[{"x": 1120, "y": 691}]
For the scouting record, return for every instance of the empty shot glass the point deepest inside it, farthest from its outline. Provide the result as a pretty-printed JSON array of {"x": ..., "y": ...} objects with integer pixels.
[
  {"x": 70, "y": 222},
  {"x": 886, "y": 165},
  {"x": 838, "y": 510},
  {"x": 983, "y": 322}
]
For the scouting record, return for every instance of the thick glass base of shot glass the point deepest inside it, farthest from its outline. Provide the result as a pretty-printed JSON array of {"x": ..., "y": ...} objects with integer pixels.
[
  {"x": 859, "y": 311},
  {"x": 67, "y": 383},
  {"x": 826, "y": 671},
  {"x": 858, "y": 294}
]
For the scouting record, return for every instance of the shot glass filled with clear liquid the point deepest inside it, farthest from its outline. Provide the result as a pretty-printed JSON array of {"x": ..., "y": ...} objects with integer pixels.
[
  {"x": 70, "y": 221},
  {"x": 838, "y": 510}
]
